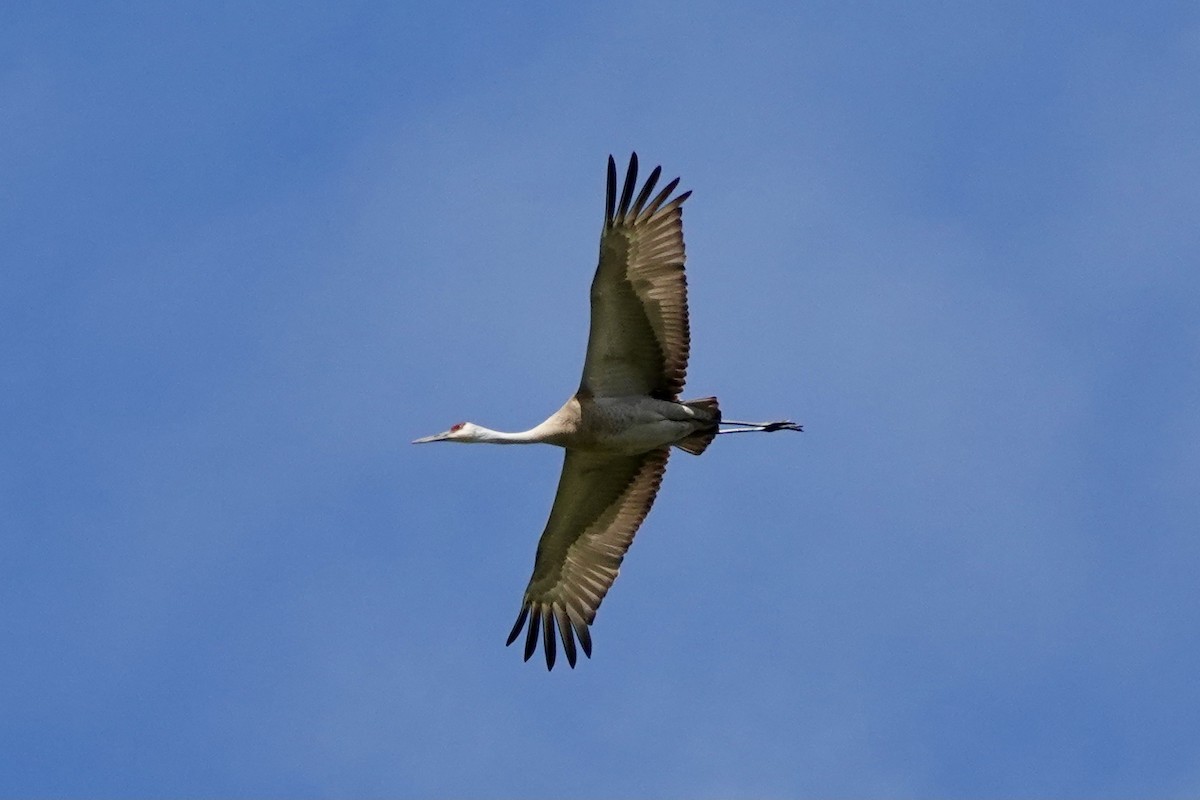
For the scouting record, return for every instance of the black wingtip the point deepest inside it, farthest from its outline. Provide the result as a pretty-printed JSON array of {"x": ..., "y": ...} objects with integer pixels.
[
  {"x": 516, "y": 631},
  {"x": 627, "y": 189},
  {"x": 610, "y": 199},
  {"x": 532, "y": 636},
  {"x": 548, "y": 639},
  {"x": 585, "y": 638},
  {"x": 564, "y": 633},
  {"x": 640, "y": 203},
  {"x": 541, "y": 622},
  {"x": 662, "y": 196}
]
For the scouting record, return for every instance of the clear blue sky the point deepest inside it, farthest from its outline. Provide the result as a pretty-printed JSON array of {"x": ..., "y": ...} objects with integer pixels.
[{"x": 248, "y": 255}]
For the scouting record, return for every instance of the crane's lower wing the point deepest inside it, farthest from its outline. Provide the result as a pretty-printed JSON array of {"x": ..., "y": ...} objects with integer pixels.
[{"x": 600, "y": 504}]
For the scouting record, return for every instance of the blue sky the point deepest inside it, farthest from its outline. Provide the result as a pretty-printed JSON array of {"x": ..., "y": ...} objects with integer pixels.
[{"x": 251, "y": 254}]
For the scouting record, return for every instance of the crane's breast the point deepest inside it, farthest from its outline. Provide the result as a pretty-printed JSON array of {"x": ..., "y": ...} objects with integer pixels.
[{"x": 630, "y": 425}]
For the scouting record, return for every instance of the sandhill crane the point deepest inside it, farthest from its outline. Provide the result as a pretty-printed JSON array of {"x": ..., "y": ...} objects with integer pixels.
[{"x": 620, "y": 425}]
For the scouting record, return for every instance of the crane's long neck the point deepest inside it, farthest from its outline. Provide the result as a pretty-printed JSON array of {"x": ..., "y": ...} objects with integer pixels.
[{"x": 531, "y": 436}]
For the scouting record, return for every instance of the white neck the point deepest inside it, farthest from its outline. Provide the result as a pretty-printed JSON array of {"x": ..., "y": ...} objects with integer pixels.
[{"x": 531, "y": 436}]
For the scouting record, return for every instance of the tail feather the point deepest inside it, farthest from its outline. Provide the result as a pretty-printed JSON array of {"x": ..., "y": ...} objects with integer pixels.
[{"x": 708, "y": 410}]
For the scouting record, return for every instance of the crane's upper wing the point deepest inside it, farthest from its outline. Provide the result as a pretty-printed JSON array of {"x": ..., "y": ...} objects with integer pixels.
[
  {"x": 638, "y": 342},
  {"x": 601, "y": 501}
]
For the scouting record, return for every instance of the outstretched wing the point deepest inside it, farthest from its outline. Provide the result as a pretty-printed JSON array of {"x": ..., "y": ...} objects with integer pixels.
[
  {"x": 601, "y": 501},
  {"x": 638, "y": 342}
]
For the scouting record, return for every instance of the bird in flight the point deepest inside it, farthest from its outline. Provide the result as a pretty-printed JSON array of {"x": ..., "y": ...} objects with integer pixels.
[{"x": 620, "y": 426}]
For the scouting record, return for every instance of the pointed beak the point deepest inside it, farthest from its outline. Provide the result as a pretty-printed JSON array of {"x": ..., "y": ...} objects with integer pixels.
[{"x": 437, "y": 437}]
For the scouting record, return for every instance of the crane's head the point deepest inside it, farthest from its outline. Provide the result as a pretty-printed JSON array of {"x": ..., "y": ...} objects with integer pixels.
[{"x": 461, "y": 432}]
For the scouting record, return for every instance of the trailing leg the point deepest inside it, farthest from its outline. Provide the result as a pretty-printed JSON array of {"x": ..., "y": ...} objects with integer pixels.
[{"x": 760, "y": 427}]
